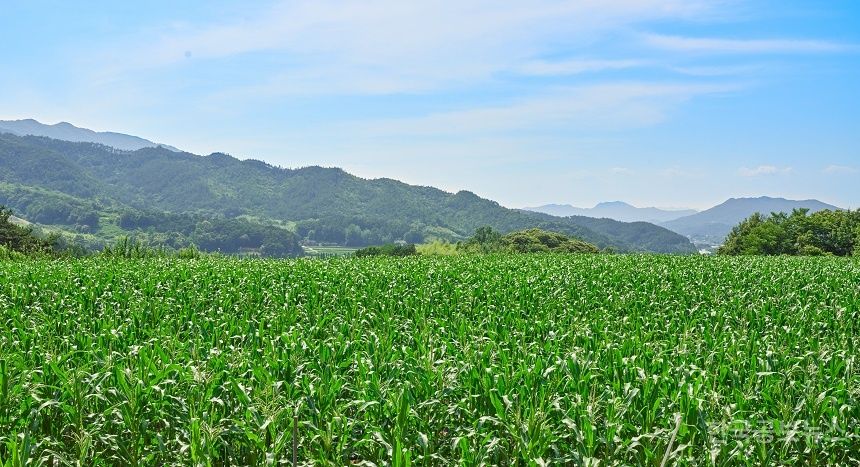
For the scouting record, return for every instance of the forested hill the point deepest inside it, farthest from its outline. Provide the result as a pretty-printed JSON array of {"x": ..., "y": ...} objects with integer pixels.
[{"x": 99, "y": 190}]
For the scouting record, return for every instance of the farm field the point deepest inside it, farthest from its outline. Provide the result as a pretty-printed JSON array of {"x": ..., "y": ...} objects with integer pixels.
[{"x": 525, "y": 360}]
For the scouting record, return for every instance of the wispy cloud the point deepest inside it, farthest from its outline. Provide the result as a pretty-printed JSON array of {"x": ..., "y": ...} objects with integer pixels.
[
  {"x": 394, "y": 45},
  {"x": 763, "y": 170},
  {"x": 576, "y": 66},
  {"x": 840, "y": 170},
  {"x": 709, "y": 71},
  {"x": 745, "y": 46},
  {"x": 612, "y": 106}
]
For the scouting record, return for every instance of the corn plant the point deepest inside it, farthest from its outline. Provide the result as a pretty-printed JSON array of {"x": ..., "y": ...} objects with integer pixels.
[{"x": 471, "y": 360}]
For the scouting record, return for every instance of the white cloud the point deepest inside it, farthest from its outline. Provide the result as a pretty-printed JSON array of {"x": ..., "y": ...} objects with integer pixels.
[
  {"x": 840, "y": 170},
  {"x": 379, "y": 46},
  {"x": 745, "y": 46},
  {"x": 763, "y": 170},
  {"x": 612, "y": 106},
  {"x": 576, "y": 66}
]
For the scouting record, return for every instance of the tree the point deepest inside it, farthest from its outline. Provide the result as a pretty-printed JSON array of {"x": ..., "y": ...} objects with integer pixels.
[
  {"x": 486, "y": 235},
  {"x": 486, "y": 240},
  {"x": 22, "y": 239},
  {"x": 539, "y": 241},
  {"x": 799, "y": 233},
  {"x": 352, "y": 233},
  {"x": 413, "y": 236}
]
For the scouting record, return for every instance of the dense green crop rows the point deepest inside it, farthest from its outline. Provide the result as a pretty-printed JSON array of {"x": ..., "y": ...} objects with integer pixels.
[{"x": 431, "y": 361}]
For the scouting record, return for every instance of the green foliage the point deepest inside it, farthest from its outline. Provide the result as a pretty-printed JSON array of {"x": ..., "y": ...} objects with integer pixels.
[
  {"x": 213, "y": 233},
  {"x": 711, "y": 226},
  {"x": 19, "y": 239},
  {"x": 84, "y": 186},
  {"x": 388, "y": 250},
  {"x": 437, "y": 248},
  {"x": 190, "y": 252},
  {"x": 799, "y": 233},
  {"x": 486, "y": 236},
  {"x": 540, "y": 241},
  {"x": 466, "y": 360},
  {"x": 486, "y": 240},
  {"x": 129, "y": 248},
  {"x": 9, "y": 254}
]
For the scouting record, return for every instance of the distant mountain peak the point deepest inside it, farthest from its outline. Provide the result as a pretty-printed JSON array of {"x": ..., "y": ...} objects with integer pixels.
[
  {"x": 68, "y": 132},
  {"x": 616, "y": 210},
  {"x": 614, "y": 204}
]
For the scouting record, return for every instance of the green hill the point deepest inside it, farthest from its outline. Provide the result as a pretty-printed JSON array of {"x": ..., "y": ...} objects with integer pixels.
[{"x": 99, "y": 192}]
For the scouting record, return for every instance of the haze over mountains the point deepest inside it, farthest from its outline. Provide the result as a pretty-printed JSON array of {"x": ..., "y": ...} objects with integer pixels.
[
  {"x": 617, "y": 210},
  {"x": 68, "y": 132}
]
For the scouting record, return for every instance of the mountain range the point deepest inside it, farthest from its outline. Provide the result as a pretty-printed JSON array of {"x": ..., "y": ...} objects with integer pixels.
[
  {"x": 617, "y": 210},
  {"x": 708, "y": 227},
  {"x": 712, "y": 225},
  {"x": 96, "y": 193},
  {"x": 96, "y": 186},
  {"x": 68, "y": 132}
]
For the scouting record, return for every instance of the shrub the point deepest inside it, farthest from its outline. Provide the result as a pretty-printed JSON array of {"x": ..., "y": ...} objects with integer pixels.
[{"x": 437, "y": 248}]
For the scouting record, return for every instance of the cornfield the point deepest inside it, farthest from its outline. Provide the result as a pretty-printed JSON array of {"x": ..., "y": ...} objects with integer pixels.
[{"x": 470, "y": 360}]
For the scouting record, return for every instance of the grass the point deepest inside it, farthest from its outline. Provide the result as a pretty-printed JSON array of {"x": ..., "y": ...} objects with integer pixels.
[{"x": 494, "y": 360}]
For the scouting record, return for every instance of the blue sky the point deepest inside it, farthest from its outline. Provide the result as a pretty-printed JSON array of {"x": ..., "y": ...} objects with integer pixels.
[{"x": 672, "y": 103}]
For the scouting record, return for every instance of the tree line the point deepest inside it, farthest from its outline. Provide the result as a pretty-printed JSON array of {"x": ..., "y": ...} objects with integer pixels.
[
  {"x": 800, "y": 233},
  {"x": 157, "y": 236}
]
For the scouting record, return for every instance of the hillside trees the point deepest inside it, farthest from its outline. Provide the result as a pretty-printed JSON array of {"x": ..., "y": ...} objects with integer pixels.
[
  {"x": 487, "y": 240},
  {"x": 95, "y": 183},
  {"x": 541, "y": 241},
  {"x": 21, "y": 239},
  {"x": 799, "y": 233}
]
